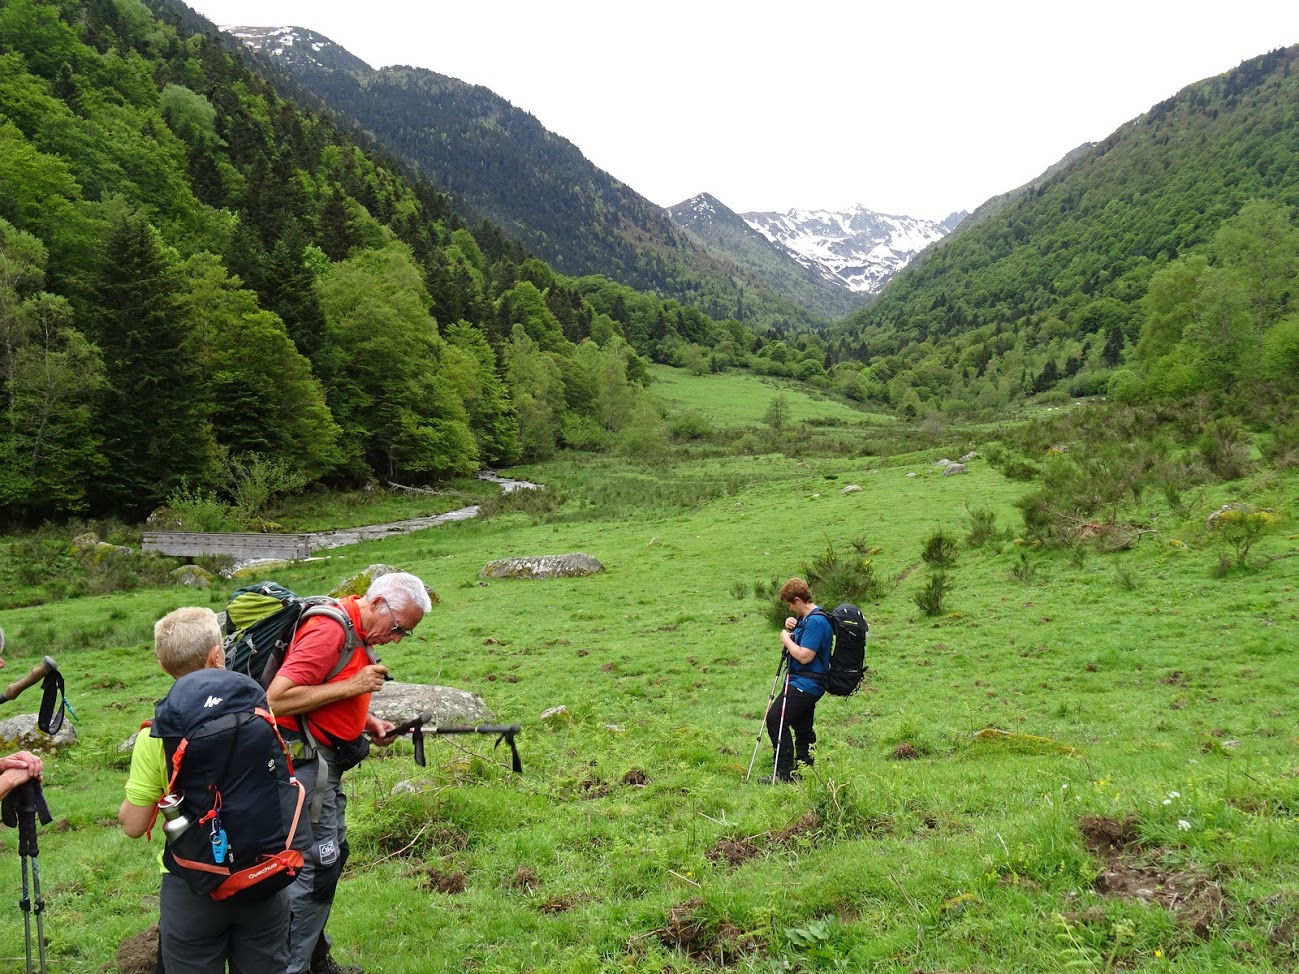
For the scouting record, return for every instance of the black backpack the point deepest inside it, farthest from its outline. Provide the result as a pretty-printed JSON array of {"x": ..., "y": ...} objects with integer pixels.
[
  {"x": 260, "y": 623},
  {"x": 249, "y": 825},
  {"x": 848, "y": 657}
]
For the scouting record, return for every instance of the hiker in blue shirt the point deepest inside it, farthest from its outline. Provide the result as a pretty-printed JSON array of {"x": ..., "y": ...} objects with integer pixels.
[{"x": 808, "y": 639}]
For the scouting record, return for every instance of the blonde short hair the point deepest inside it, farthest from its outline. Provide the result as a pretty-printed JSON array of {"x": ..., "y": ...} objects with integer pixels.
[{"x": 183, "y": 639}]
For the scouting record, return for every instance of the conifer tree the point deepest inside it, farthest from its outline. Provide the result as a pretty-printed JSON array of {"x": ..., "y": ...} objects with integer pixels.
[{"x": 153, "y": 416}]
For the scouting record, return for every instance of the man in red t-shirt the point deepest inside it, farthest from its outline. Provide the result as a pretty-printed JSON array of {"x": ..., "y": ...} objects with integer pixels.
[{"x": 326, "y": 716}]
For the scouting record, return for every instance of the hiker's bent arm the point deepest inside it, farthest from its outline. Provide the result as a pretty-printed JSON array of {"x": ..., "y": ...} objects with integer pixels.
[
  {"x": 135, "y": 819},
  {"x": 795, "y": 650},
  {"x": 287, "y": 698}
]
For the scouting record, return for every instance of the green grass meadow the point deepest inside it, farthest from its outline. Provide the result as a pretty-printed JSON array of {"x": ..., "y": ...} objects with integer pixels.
[
  {"x": 1136, "y": 812},
  {"x": 733, "y": 399}
]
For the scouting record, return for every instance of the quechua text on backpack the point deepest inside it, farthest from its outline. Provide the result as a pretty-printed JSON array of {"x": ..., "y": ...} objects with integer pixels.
[
  {"x": 261, "y": 621},
  {"x": 848, "y": 657},
  {"x": 232, "y": 780}
]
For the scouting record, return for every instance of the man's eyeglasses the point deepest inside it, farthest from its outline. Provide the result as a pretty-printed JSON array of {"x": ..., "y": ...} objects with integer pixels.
[{"x": 397, "y": 630}]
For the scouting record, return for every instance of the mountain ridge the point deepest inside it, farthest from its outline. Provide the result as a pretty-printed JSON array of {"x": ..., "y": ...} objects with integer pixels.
[
  {"x": 720, "y": 229},
  {"x": 500, "y": 163}
]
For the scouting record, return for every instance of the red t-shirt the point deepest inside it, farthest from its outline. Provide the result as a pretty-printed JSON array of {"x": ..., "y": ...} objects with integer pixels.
[{"x": 313, "y": 653}]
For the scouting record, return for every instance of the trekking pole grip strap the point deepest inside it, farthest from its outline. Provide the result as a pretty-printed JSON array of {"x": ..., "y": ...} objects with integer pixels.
[{"x": 20, "y": 809}]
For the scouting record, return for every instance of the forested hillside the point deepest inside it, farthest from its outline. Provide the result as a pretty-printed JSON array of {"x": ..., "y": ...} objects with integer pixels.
[
  {"x": 498, "y": 161},
  {"x": 198, "y": 277},
  {"x": 1158, "y": 263}
]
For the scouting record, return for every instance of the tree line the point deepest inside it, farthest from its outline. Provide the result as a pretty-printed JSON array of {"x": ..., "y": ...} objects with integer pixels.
[{"x": 196, "y": 274}]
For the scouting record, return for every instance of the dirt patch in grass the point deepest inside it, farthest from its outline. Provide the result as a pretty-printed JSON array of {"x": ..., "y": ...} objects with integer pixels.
[
  {"x": 905, "y": 751},
  {"x": 435, "y": 879},
  {"x": 736, "y": 851},
  {"x": 723, "y": 944},
  {"x": 1106, "y": 835},
  {"x": 525, "y": 878},
  {"x": 807, "y": 824},
  {"x": 733, "y": 852},
  {"x": 139, "y": 954},
  {"x": 1132, "y": 872},
  {"x": 560, "y": 903},
  {"x": 906, "y": 572}
]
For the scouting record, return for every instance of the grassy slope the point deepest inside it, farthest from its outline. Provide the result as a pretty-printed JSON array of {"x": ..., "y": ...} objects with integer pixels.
[
  {"x": 1162, "y": 678},
  {"x": 735, "y": 399}
]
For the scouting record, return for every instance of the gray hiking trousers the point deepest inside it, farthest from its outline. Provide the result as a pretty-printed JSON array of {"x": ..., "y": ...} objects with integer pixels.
[
  {"x": 197, "y": 934},
  {"x": 311, "y": 895}
]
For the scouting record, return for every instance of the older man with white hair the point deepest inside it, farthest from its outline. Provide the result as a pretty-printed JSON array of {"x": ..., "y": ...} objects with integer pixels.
[{"x": 321, "y": 699}]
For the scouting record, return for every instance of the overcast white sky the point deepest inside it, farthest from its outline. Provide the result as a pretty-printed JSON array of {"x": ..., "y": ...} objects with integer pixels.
[{"x": 906, "y": 107}]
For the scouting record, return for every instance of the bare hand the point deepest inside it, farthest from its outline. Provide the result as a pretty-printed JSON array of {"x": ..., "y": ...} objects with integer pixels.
[
  {"x": 790, "y": 623},
  {"x": 379, "y": 730},
  {"x": 370, "y": 678},
  {"x": 22, "y": 761}
]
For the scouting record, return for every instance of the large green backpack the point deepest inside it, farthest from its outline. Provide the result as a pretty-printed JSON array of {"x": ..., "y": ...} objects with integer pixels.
[{"x": 261, "y": 621}]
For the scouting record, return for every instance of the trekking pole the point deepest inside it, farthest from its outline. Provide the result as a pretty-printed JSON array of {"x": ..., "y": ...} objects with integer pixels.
[
  {"x": 38, "y": 673},
  {"x": 20, "y": 808},
  {"x": 780, "y": 732},
  {"x": 415, "y": 727},
  {"x": 784, "y": 656}
]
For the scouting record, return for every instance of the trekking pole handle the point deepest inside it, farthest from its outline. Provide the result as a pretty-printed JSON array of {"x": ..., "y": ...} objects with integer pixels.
[{"x": 38, "y": 673}]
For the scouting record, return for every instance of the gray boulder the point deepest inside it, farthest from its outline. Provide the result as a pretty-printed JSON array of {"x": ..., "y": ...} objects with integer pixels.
[
  {"x": 358, "y": 584},
  {"x": 543, "y": 566},
  {"x": 192, "y": 576},
  {"x": 20, "y": 733},
  {"x": 400, "y": 702}
]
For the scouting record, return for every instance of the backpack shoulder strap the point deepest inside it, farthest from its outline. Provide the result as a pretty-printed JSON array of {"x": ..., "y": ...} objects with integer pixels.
[{"x": 333, "y": 610}]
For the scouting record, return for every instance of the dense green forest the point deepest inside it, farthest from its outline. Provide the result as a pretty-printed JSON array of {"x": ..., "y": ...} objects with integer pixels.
[
  {"x": 197, "y": 276},
  {"x": 1160, "y": 262}
]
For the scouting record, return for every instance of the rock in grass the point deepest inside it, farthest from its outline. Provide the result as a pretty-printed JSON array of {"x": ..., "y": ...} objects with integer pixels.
[
  {"x": 21, "y": 733},
  {"x": 543, "y": 566},
  {"x": 359, "y": 583},
  {"x": 399, "y": 702},
  {"x": 192, "y": 576}
]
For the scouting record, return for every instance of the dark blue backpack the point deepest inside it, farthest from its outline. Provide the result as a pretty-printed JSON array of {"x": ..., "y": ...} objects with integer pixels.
[
  {"x": 249, "y": 829},
  {"x": 848, "y": 657}
]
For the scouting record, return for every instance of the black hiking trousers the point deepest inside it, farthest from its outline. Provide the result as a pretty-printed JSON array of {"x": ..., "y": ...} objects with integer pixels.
[{"x": 791, "y": 737}]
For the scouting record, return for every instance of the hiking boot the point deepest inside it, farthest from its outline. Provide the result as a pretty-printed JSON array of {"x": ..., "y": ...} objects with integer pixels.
[{"x": 327, "y": 965}]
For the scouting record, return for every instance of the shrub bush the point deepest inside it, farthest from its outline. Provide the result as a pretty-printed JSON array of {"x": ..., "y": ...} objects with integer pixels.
[
  {"x": 1024, "y": 570},
  {"x": 932, "y": 599},
  {"x": 939, "y": 548},
  {"x": 982, "y": 529},
  {"x": 1225, "y": 449}
]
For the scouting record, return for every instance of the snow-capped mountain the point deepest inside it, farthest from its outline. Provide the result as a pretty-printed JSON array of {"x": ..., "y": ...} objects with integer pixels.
[
  {"x": 858, "y": 249},
  {"x": 723, "y": 232},
  {"x": 298, "y": 46}
]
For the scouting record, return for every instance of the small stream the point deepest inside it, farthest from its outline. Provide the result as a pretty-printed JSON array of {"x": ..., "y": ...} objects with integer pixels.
[{"x": 374, "y": 532}]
